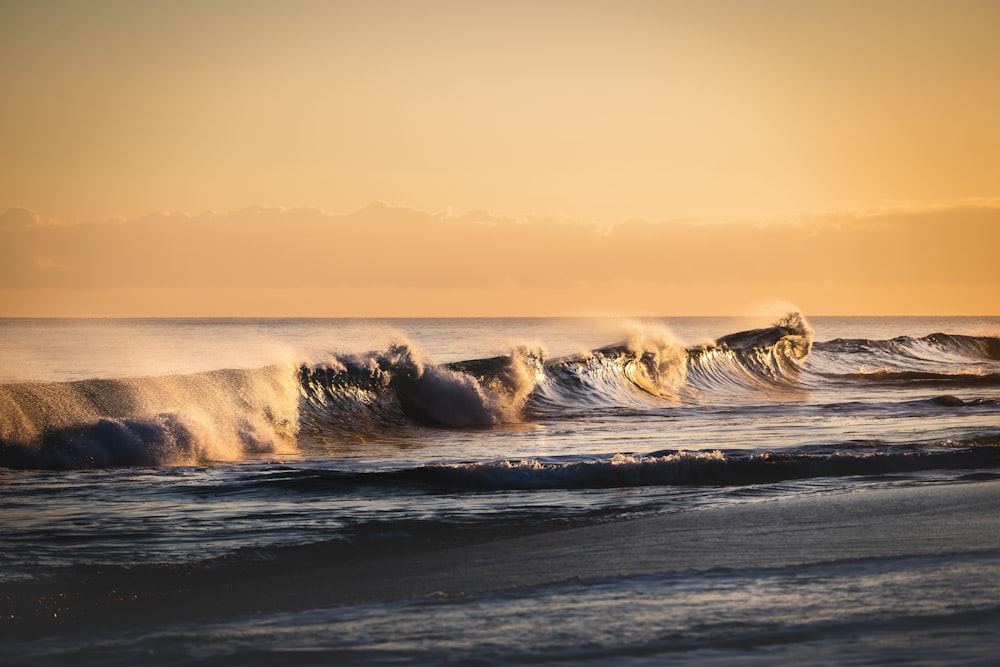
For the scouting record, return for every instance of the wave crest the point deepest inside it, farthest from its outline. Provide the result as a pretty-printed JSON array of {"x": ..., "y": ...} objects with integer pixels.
[
  {"x": 396, "y": 384},
  {"x": 659, "y": 361}
]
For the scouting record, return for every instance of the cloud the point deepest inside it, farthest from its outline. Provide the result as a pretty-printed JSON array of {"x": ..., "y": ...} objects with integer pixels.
[
  {"x": 394, "y": 250},
  {"x": 15, "y": 218},
  {"x": 49, "y": 264}
]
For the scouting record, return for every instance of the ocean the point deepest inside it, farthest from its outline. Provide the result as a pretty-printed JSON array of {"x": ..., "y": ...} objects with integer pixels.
[{"x": 684, "y": 491}]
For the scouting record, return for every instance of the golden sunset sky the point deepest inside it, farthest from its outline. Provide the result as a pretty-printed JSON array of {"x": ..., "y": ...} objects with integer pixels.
[{"x": 242, "y": 158}]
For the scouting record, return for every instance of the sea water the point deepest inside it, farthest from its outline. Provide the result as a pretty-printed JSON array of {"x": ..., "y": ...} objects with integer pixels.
[{"x": 138, "y": 453}]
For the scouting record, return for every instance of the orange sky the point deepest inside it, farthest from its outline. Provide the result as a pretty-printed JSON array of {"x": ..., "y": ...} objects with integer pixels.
[{"x": 219, "y": 158}]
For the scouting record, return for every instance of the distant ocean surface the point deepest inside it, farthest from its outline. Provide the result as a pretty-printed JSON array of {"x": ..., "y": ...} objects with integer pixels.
[{"x": 500, "y": 491}]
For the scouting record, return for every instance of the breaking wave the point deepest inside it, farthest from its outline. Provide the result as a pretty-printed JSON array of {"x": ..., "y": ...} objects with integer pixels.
[
  {"x": 172, "y": 420},
  {"x": 233, "y": 414}
]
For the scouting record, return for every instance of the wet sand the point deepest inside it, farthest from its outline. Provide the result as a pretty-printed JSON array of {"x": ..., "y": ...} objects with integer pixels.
[{"x": 917, "y": 520}]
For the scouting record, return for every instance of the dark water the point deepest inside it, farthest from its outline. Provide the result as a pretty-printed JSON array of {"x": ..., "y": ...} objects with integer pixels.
[{"x": 216, "y": 447}]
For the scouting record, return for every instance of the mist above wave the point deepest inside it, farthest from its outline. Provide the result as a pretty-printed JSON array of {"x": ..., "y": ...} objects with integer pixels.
[{"x": 168, "y": 420}]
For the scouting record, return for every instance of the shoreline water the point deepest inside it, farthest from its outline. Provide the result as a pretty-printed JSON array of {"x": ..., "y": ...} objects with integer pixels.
[{"x": 924, "y": 519}]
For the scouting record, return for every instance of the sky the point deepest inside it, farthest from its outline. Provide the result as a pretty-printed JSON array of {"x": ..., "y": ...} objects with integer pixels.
[{"x": 440, "y": 158}]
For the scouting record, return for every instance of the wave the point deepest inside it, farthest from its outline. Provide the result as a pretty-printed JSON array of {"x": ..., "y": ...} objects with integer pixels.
[
  {"x": 916, "y": 378},
  {"x": 934, "y": 360},
  {"x": 654, "y": 364},
  {"x": 662, "y": 468},
  {"x": 712, "y": 468},
  {"x": 232, "y": 414},
  {"x": 395, "y": 387},
  {"x": 935, "y": 347},
  {"x": 173, "y": 420}
]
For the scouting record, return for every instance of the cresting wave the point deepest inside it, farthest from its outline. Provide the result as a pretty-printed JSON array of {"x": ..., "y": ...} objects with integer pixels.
[
  {"x": 231, "y": 414},
  {"x": 395, "y": 388}
]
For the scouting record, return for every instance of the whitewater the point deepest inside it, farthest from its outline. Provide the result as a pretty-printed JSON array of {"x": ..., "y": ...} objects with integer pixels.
[{"x": 712, "y": 491}]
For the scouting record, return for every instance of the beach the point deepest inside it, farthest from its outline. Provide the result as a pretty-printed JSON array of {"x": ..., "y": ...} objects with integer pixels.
[{"x": 909, "y": 527}]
